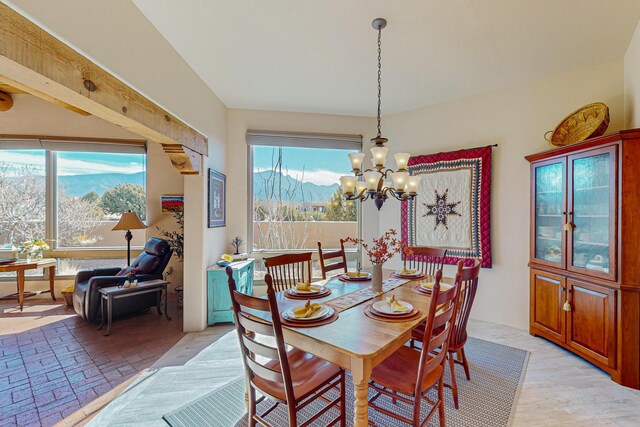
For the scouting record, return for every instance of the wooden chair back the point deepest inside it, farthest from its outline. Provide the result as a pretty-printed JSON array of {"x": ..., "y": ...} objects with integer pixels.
[
  {"x": 341, "y": 262},
  {"x": 252, "y": 332},
  {"x": 468, "y": 289},
  {"x": 439, "y": 324},
  {"x": 427, "y": 260},
  {"x": 289, "y": 269}
]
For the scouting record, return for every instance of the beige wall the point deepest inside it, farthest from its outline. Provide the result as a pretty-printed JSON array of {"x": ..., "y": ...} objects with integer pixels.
[
  {"x": 33, "y": 116},
  {"x": 139, "y": 55},
  {"x": 516, "y": 119},
  {"x": 241, "y": 120},
  {"x": 632, "y": 81}
]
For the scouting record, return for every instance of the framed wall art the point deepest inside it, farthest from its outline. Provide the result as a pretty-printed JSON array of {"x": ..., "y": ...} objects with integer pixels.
[
  {"x": 217, "y": 199},
  {"x": 171, "y": 202}
]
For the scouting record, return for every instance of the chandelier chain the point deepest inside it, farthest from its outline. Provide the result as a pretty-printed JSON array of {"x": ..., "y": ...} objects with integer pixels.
[{"x": 379, "y": 76}]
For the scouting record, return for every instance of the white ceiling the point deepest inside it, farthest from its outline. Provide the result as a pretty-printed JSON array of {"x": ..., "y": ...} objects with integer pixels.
[{"x": 320, "y": 56}]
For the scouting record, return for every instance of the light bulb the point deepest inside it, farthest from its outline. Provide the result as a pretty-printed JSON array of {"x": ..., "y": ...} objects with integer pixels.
[
  {"x": 413, "y": 182},
  {"x": 356, "y": 160},
  {"x": 400, "y": 180},
  {"x": 372, "y": 179},
  {"x": 379, "y": 155},
  {"x": 348, "y": 184},
  {"x": 402, "y": 159}
]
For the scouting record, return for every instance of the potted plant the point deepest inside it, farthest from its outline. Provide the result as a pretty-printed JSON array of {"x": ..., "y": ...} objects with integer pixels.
[
  {"x": 34, "y": 249},
  {"x": 176, "y": 243},
  {"x": 67, "y": 294},
  {"x": 381, "y": 251}
]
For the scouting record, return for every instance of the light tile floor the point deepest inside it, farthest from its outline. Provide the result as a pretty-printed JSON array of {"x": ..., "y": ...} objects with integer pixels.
[{"x": 559, "y": 389}]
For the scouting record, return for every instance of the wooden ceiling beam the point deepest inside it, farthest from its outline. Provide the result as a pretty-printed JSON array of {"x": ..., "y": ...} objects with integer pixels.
[{"x": 34, "y": 61}]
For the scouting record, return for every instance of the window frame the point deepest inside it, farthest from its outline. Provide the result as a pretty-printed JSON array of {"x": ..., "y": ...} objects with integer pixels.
[
  {"x": 306, "y": 140},
  {"x": 49, "y": 144}
]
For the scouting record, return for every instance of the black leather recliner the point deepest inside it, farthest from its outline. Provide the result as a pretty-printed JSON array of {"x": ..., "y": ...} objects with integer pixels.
[{"x": 149, "y": 265}]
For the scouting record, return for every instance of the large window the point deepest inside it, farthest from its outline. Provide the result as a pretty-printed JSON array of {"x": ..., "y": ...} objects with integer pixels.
[
  {"x": 70, "y": 194},
  {"x": 295, "y": 193}
]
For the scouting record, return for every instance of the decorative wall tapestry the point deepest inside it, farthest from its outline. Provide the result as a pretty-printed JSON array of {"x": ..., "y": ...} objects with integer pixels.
[{"x": 452, "y": 209}]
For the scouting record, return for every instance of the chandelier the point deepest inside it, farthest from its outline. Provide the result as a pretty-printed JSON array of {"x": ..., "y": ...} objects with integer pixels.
[{"x": 371, "y": 183}]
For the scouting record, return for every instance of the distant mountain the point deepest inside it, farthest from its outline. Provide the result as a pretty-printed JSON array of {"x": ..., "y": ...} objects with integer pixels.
[
  {"x": 79, "y": 185},
  {"x": 312, "y": 192}
]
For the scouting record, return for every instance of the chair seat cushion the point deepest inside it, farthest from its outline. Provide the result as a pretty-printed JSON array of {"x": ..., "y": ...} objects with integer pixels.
[
  {"x": 399, "y": 372},
  {"x": 308, "y": 372}
]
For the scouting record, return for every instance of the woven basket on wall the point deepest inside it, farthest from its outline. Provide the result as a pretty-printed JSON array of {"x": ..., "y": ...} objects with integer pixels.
[{"x": 587, "y": 122}]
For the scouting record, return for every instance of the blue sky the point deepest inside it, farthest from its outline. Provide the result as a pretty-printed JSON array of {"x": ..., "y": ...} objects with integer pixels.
[
  {"x": 321, "y": 166},
  {"x": 74, "y": 163}
]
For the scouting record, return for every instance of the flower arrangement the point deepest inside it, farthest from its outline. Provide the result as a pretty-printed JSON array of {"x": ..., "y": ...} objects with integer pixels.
[
  {"x": 384, "y": 247},
  {"x": 34, "y": 248},
  {"x": 69, "y": 289},
  {"x": 225, "y": 259}
]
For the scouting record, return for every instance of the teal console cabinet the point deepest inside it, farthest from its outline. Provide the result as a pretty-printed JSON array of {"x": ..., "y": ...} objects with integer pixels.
[{"x": 218, "y": 297}]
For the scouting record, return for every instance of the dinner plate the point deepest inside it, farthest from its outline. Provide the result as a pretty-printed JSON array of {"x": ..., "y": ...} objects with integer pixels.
[
  {"x": 347, "y": 277},
  {"x": 324, "y": 312},
  {"x": 384, "y": 308},
  {"x": 295, "y": 291},
  {"x": 428, "y": 286},
  {"x": 400, "y": 274}
]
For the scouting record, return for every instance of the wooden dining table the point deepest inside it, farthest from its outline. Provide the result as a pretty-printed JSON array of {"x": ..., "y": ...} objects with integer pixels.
[{"x": 355, "y": 341}]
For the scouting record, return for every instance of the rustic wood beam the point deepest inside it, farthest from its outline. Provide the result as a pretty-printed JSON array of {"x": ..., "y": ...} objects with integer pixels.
[{"x": 34, "y": 61}]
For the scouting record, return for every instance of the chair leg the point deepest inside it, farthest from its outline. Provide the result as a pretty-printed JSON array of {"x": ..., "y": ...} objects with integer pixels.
[
  {"x": 343, "y": 401},
  {"x": 417, "y": 402},
  {"x": 293, "y": 418},
  {"x": 465, "y": 363},
  {"x": 454, "y": 384},
  {"x": 252, "y": 406},
  {"x": 441, "y": 400}
]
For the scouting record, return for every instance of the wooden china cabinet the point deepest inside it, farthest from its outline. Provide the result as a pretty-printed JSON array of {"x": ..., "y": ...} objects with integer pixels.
[{"x": 585, "y": 251}]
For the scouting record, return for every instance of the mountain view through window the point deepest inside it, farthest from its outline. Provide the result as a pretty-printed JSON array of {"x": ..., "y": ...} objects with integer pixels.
[{"x": 297, "y": 200}]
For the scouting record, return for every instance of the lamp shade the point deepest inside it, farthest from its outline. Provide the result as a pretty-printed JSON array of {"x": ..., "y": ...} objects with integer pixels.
[
  {"x": 400, "y": 180},
  {"x": 402, "y": 159},
  {"x": 413, "y": 182},
  {"x": 361, "y": 186},
  {"x": 372, "y": 179},
  {"x": 348, "y": 184},
  {"x": 356, "y": 160},
  {"x": 129, "y": 221},
  {"x": 379, "y": 155}
]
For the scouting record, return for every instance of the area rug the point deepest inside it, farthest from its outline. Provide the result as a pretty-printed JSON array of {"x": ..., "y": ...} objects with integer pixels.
[{"x": 489, "y": 399}]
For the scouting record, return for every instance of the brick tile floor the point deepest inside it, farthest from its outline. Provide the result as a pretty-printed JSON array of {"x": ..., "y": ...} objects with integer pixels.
[{"x": 52, "y": 362}]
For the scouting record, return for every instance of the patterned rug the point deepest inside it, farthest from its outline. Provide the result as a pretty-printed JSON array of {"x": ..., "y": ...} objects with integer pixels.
[{"x": 487, "y": 400}]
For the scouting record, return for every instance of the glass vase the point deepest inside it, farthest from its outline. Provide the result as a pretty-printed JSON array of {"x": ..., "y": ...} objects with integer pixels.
[{"x": 376, "y": 278}]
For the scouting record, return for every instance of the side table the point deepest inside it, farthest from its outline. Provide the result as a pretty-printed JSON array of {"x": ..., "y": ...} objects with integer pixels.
[{"x": 113, "y": 293}]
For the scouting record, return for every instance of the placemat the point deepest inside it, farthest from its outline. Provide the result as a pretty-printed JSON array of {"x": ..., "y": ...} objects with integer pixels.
[{"x": 354, "y": 298}]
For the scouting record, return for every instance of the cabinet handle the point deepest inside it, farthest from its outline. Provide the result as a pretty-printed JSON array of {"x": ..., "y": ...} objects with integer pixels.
[
  {"x": 567, "y": 305},
  {"x": 569, "y": 226}
]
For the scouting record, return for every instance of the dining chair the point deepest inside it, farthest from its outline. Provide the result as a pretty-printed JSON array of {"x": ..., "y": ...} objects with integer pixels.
[
  {"x": 458, "y": 337},
  {"x": 412, "y": 373},
  {"x": 289, "y": 269},
  {"x": 341, "y": 263},
  {"x": 426, "y": 259},
  {"x": 293, "y": 378}
]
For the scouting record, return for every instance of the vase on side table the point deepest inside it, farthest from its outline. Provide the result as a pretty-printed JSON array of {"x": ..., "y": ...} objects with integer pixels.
[{"x": 376, "y": 278}]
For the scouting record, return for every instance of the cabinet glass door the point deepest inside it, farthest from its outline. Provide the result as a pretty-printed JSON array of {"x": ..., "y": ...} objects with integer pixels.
[
  {"x": 592, "y": 202},
  {"x": 549, "y": 196}
]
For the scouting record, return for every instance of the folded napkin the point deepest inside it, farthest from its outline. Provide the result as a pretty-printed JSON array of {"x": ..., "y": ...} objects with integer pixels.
[
  {"x": 306, "y": 287},
  {"x": 395, "y": 304},
  {"x": 306, "y": 310},
  {"x": 430, "y": 285},
  {"x": 356, "y": 274},
  {"x": 406, "y": 272}
]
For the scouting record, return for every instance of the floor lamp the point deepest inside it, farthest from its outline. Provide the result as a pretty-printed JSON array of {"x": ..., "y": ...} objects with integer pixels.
[{"x": 129, "y": 221}]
